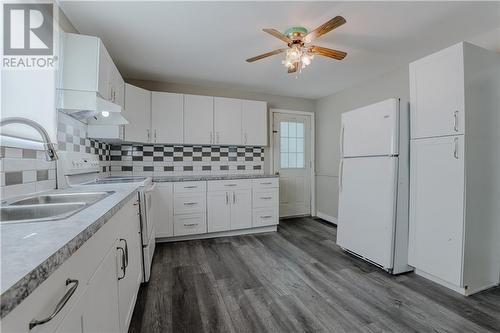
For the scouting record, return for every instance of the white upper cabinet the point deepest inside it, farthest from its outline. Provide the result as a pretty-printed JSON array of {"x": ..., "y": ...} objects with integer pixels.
[
  {"x": 198, "y": 119},
  {"x": 437, "y": 94},
  {"x": 167, "y": 117},
  {"x": 254, "y": 123},
  {"x": 87, "y": 66},
  {"x": 138, "y": 112},
  {"x": 227, "y": 120}
]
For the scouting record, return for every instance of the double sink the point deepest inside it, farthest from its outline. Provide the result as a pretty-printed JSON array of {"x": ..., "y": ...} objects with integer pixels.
[{"x": 49, "y": 207}]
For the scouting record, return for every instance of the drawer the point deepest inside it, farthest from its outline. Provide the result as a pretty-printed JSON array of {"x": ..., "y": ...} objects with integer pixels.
[
  {"x": 190, "y": 187},
  {"x": 190, "y": 203},
  {"x": 223, "y": 185},
  {"x": 265, "y": 216},
  {"x": 265, "y": 183},
  {"x": 190, "y": 224},
  {"x": 265, "y": 198}
]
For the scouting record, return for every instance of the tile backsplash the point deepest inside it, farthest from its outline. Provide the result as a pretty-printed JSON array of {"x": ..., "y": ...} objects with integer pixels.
[
  {"x": 165, "y": 160},
  {"x": 72, "y": 137},
  {"x": 25, "y": 171}
]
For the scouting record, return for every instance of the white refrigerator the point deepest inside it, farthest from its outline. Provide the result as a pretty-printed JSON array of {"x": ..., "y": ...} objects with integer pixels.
[{"x": 373, "y": 185}]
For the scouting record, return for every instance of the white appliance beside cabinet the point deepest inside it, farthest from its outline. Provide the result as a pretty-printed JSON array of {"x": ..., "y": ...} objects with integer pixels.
[
  {"x": 373, "y": 185},
  {"x": 454, "y": 235}
]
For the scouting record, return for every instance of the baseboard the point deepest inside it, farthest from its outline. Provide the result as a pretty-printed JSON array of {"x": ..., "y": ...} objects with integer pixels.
[
  {"x": 218, "y": 234},
  {"x": 327, "y": 218}
]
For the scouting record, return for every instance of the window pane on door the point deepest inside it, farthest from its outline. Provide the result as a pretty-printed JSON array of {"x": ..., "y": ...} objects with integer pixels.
[{"x": 292, "y": 145}]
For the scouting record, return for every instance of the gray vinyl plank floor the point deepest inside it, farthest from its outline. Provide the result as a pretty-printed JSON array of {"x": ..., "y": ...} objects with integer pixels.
[{"x": 296, "y": 280}]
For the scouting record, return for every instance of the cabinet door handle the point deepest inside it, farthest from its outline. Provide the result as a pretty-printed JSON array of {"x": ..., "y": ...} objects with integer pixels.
[
  {"x": 191, "y": 186},
  {"x": 266, "y": 198},
  {"x": 455, "y": 151},
  {"x": 246, "y": 138},
  {"x": 269, "y": 183},
  {"x": 234, "y": 197},
  {"x": 124, "y": 268},
  {"x": 227, "y": 198},
  {"x": 155, "y": 135},
  {"x": 126, "y": 251},
  {"x": 455, "y": 121},
  {"x": 190, "y": 224},
  {"x": 266, "y": 217},
  {"x": 230, "y": 184},
  {"x": 62, "y": 302},
  {"x": 149, "y": 135},
  {"x": 342, "y": 142},
  {"x": 190, "y": 203}
]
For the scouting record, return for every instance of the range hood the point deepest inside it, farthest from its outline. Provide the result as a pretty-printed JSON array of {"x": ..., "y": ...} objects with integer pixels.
[{"x": 90, "y": 107}]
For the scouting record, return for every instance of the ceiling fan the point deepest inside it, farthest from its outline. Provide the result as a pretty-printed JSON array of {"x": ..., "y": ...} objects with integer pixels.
[{"x": 298, "y": 53}]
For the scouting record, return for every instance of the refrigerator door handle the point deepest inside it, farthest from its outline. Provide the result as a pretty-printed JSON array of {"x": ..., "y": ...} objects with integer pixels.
[
  {"x": 341, "y": 173},
  {"x": 342, "y": 142}
]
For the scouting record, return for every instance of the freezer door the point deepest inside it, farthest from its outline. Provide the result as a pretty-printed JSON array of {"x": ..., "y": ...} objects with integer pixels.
[
  {"x": 372, "y": 130},
  {"x": 367, "y": 207}
]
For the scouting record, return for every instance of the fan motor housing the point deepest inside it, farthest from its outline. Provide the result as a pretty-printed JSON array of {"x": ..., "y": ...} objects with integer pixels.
[{"x": 296, "y": 33}]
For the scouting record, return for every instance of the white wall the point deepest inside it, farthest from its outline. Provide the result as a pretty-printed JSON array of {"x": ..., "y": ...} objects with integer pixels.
[{"x": 328, "y": 111}]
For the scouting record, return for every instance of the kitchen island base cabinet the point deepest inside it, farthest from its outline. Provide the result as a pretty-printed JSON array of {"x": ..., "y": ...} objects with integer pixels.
[{"x": 90, "y": 277}]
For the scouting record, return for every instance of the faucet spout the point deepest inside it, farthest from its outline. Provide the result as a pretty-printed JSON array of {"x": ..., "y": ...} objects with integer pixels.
[{"x": 50, "y": 151}]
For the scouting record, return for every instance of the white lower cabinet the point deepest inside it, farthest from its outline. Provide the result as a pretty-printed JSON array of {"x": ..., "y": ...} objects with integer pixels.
[
  {"x": 98, "y": 298},
  {"x": 162, "y": 210},
  {"x": 213, "y": 206}
]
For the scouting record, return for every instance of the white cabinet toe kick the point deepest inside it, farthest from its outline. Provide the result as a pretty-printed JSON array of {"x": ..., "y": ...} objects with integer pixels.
[{"x": 215, "y": 208}]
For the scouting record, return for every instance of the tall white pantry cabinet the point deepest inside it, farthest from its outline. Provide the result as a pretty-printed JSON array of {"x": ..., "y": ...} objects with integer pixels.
[{"x": 454, "y": 236}]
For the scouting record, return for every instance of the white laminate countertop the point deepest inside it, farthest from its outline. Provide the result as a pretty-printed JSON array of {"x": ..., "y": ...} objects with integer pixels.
[
  {"x": 164, "y": 179},
  {"x": 32, "y": 251}
]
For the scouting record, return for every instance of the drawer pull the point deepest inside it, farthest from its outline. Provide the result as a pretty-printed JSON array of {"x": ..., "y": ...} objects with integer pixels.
[
  {"x": 190, "y": 203},
  {"x": 190, "y": 224},
  {"x": 266, "y": 217},
  {"x": 268, "y": 183},
  {"x": 59, "y": 305},
  {"x": 230, "y": 184},
  {"x": 266, "y": 198},
  {"x": 191, "y": 186}
]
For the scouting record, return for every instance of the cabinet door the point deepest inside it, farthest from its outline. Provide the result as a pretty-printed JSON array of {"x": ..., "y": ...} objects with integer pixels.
[
  {"x": 219, "y": 215},
  {"x": 101, "y": 299},
  {"x": 162, "y": 210},
  {"x": 198, "y": 119},
  {"x": 103, "y": 68},
  {"x": 437, "y": 94},
  {"x": 227, "y": 120},
  {"x": 137, "y": 113},
  {"x": 254, "y": 123},
  {"x": 117, "y": 86},
  {"x": 73, "y": 321},
  {"x": 167, "y": 117},
  {"x": 129, "y": 285},
  {"x": 241, "y": 209},
  {"x": 437, "y": 207}
]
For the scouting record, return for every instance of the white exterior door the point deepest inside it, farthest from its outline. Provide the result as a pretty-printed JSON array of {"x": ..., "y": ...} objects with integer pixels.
[
  {"x": 227, "y": 120},
  {"x": 219, "y": 211},
  {"x": 162, "y": 209},
  {"x": 437, "y": 94},
  {"x": 254, "y": 123},
  {"x": 138, "y": 114},
  {"x": 241, "y": 209},
  {"x": 167, "y": 117},
  {"x": 291, "y": 150},
  {"x": 367, "y": 207},
  {"x": 371, "y": 130},
  {"x": 437, "y": 206},
  {"x": 198, "y": 119}
]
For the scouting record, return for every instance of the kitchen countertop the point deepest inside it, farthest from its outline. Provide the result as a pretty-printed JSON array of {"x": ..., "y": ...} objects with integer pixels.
[
  {"x": 164, "y": 179},
  {"x": 32, "y": 251}
]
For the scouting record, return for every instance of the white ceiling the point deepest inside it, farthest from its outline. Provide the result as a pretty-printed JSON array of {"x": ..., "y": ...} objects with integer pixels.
[{"x": 208, "y": 42}]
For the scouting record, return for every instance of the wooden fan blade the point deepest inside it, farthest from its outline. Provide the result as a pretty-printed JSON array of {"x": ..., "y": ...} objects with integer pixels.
[
  {"x": 335, "y": 22},
  {"x": 265, "y": 55},
  {"x": 278, "y": 35},
  {"x": 326, "y": 52},
  {"x": 295, "y": 67}
]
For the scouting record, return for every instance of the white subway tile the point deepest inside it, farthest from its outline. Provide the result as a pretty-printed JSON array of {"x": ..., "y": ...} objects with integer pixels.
[
  {"x": 18, "y": 164},
  {"x": 29, "y": 176}
]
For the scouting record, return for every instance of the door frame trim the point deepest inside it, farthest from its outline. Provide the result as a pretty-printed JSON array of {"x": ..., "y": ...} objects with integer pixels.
[{"x": 313, "y": 147}]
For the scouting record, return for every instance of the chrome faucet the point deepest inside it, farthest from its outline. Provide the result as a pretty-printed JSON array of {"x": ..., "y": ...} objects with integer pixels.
[{"x": 50, "y": 151}]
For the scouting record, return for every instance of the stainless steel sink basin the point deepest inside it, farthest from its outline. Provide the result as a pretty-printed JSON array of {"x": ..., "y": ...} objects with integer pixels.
[
  {"x": 32, "y": 213},
  {"x": 87, "y": 198},
  {"x": 49, "y": 207}
]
